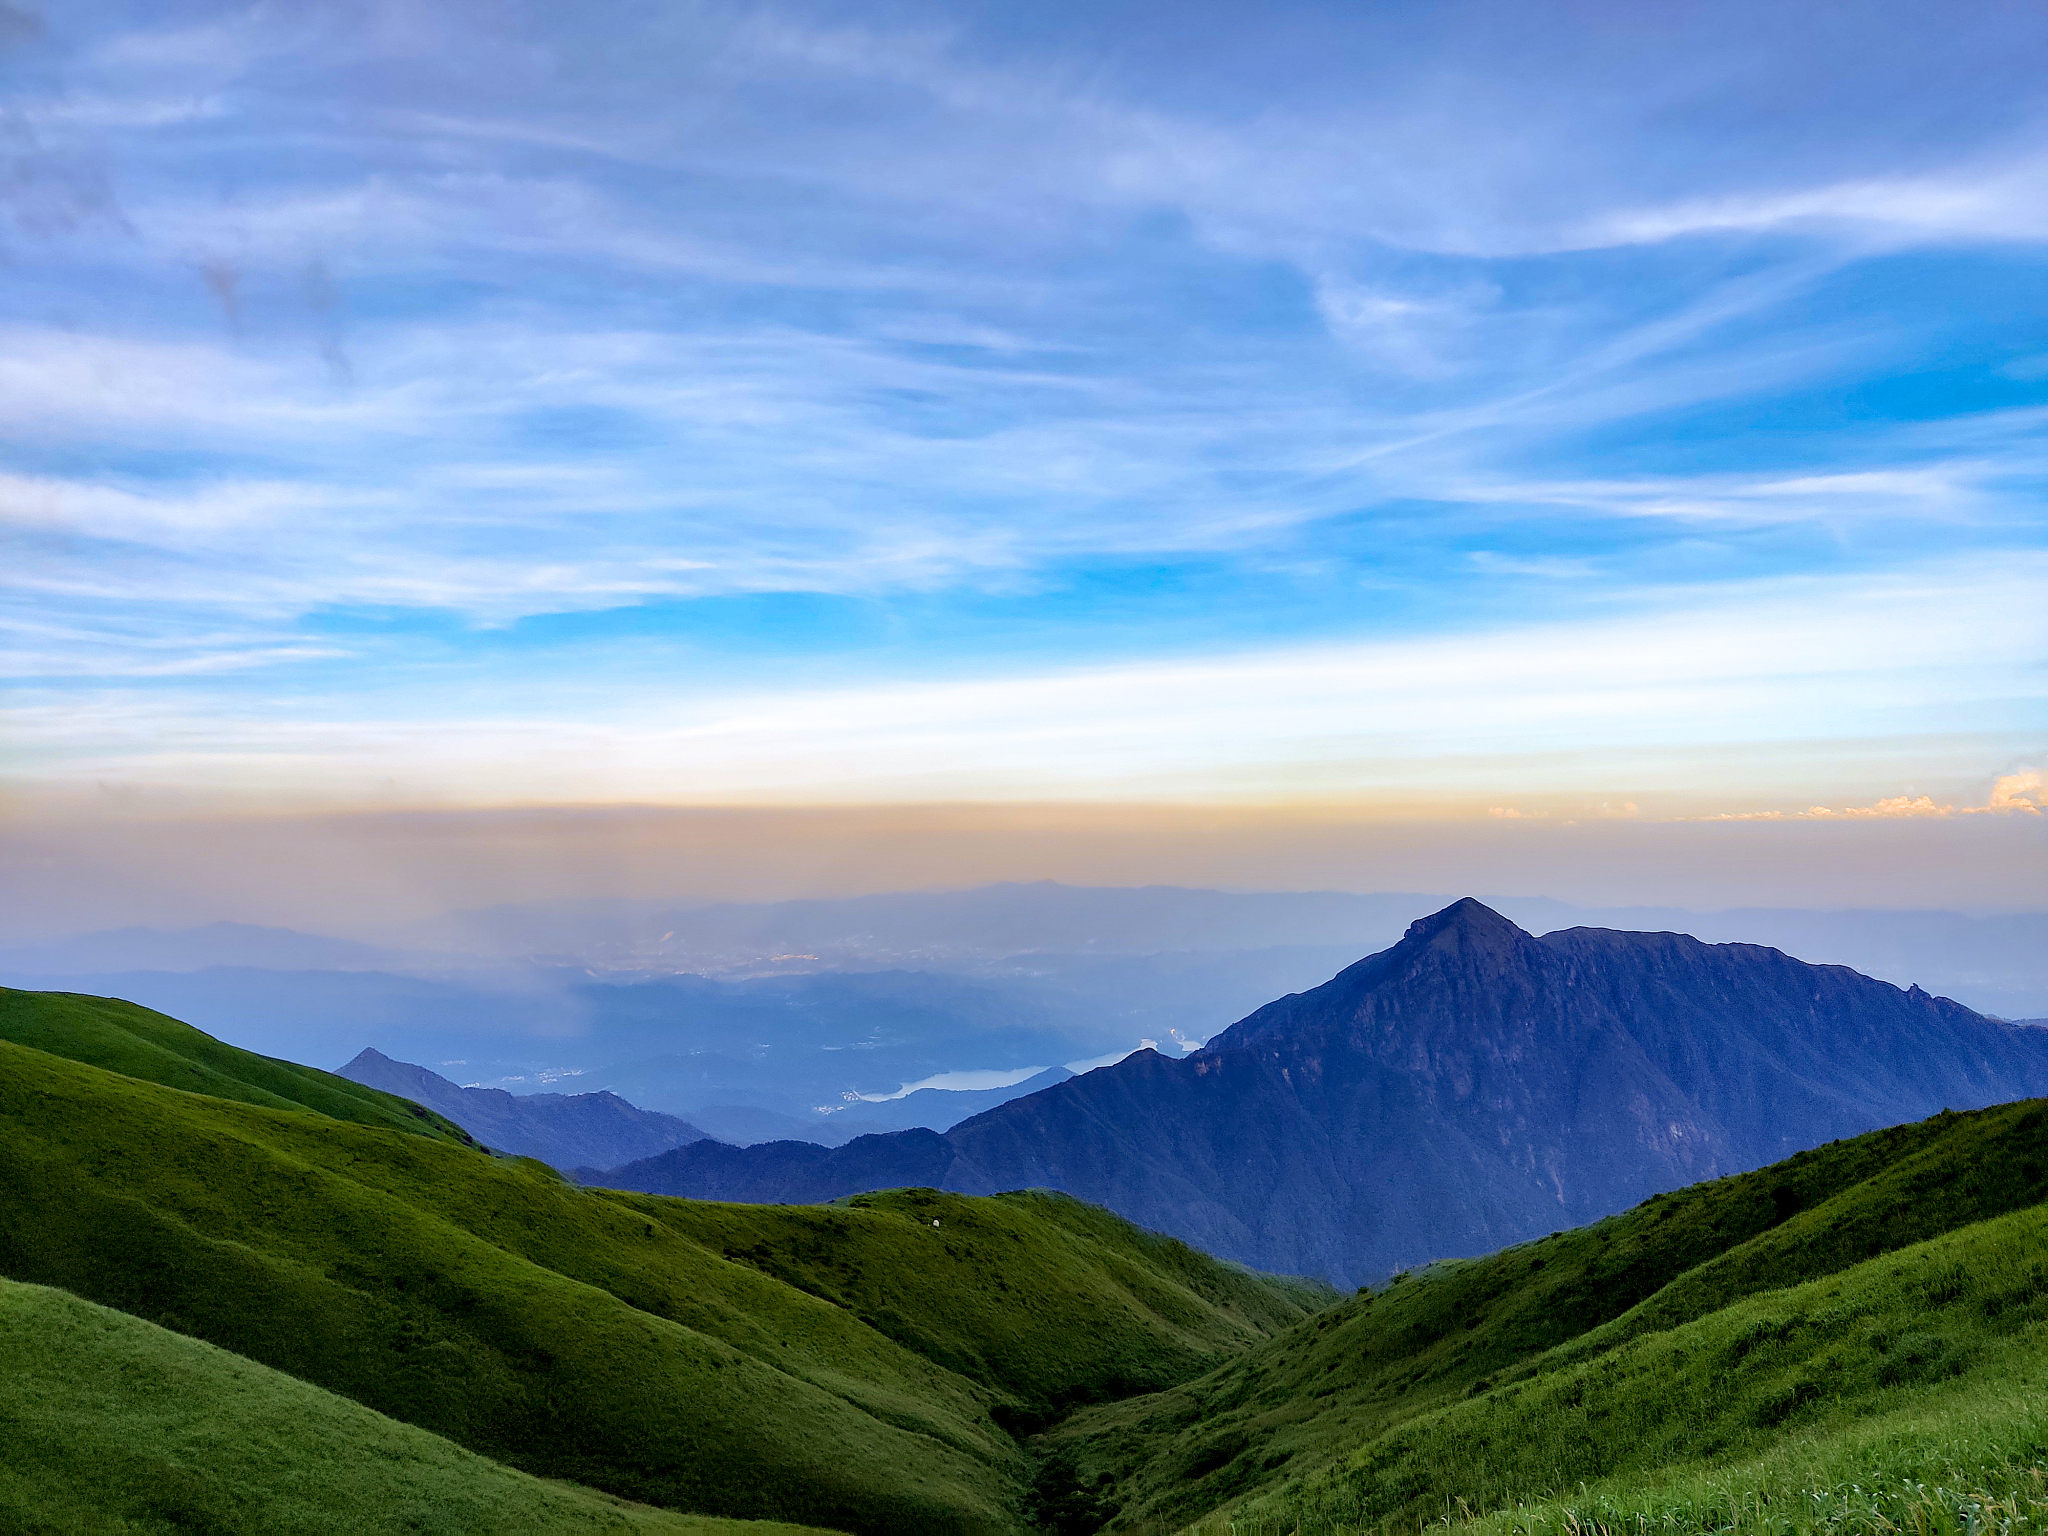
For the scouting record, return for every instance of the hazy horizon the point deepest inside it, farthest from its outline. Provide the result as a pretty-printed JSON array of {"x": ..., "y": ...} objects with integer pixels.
[{"x": 357, "y": 875}]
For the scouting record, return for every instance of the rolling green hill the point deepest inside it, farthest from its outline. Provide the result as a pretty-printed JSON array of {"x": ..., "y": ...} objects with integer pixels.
[
  {"x": 114, "y": 1425},
  {"x": 140, "y": 1042},
  {"x": 852, "y": 1367},
  {"x": 1350, "y": 1386}
]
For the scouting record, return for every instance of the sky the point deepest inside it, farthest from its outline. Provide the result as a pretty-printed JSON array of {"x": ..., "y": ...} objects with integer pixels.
[{"x": 1421, "y": 423}]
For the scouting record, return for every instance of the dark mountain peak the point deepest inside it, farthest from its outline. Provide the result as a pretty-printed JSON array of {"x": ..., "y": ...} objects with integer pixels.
[
  {"x": 368, "y": 1056},
  {"x": 1446, "y": 956},
  {"x": 1465, "y": 923}
]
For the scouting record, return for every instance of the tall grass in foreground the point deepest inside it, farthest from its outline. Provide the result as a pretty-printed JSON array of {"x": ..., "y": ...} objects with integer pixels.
[
  {"x": 1908, "y": 1394},
  {"x": 1999, "y": 1502},
  {"x": 2004, "y": 1499}
]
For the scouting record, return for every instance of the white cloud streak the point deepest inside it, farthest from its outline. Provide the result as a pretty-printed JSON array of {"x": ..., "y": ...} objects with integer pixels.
[{"x": 1547, "y": 710}]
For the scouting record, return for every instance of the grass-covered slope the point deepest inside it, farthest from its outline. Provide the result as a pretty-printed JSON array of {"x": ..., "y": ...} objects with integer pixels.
[
  {"x": 735, "y": 1362},
  {"x": 140, "y": 1042},
  {"x": 1362, "y": 1369},
  {"x": 111, "y": 1424},
  {"x": 1784, "y": 1370},
  {"x": 1953, "y": 1459},
  {"x": 1051, "y": 1301}
]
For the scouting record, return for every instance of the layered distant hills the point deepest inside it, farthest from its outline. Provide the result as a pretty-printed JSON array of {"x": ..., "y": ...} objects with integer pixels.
[
  {"x": 1471, "y": 1086},
  {"x": 568, "y": 1130}
]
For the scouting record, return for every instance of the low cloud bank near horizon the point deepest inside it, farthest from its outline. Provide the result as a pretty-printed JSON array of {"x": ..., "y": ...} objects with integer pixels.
[
  {"x": 374, "y": 876},
  {"x": 2012, "y": 794}
]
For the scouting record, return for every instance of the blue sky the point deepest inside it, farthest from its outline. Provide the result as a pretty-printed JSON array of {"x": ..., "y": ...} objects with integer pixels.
[{"x": 1456, "y": 410}]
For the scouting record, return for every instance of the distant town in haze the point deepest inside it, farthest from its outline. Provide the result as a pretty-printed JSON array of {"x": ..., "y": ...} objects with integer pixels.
[{"x": 773, "y": 770}]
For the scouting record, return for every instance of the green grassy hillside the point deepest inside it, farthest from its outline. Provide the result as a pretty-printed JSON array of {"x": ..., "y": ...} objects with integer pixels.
[
  {"x": 762, "y": 1364},
  {"x": 1781, "y": 1373},
  {"x": 140, "y": 1042},
  {"x": 1960, "y": 1459},
  {"x": 995, "y": 1296},
  {"x": 1363, "y": 1369},
  {"x": 114, "y": 1425}
]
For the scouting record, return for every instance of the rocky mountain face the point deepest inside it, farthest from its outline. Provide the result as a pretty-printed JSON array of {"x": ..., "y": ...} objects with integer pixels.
[
  {"x": 1470, "y": 1087},
  {"x": 567, "y": 1130}
]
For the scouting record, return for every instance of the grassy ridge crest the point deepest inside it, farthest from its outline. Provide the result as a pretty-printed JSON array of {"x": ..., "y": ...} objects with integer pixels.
[{"x": 142, "y": 1043}]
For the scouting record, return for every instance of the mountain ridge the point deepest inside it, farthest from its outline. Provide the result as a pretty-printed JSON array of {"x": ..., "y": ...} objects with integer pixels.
[
  {"x": 1470, "y": 1086},
  {"x": 564, "y": 1130}
]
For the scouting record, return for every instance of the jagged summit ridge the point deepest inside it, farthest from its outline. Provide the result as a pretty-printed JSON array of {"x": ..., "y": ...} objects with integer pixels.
[{"x": 1467, "y": 919}]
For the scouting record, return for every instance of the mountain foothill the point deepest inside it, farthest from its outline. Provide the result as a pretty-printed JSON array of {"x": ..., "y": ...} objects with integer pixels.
[{"x": 1596, "y": 1230}]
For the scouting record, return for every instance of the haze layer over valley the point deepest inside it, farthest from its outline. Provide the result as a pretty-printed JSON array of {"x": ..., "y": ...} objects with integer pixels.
[{"x": 819, "y": 1019}]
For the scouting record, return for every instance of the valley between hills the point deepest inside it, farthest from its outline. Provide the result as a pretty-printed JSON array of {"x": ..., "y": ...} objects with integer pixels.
[{"x": 1596, "y": 1231}]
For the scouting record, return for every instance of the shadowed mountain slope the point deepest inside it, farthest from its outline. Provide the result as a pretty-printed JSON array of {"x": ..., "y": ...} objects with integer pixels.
[
  {"x": 1469, "y": 1087},
  {"x": 567, "y": 1130}
]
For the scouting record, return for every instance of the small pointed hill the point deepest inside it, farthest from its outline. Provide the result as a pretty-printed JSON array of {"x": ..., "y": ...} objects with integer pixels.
[
  {"x": 566, "y": 1130},
  {"x": 1469, "y": 1087},
  {"x": 865, "y": 1368}
]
